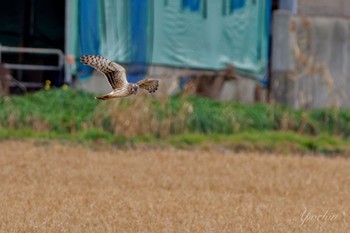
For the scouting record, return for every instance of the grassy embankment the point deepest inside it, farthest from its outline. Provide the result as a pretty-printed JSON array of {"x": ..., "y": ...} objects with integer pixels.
[{"x": 178, "y": 121}]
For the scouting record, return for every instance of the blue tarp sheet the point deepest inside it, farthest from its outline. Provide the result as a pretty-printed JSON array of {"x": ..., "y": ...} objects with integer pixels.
[
  {"x": 199, "y": 34},
  {"x": 89, "y": 32}
]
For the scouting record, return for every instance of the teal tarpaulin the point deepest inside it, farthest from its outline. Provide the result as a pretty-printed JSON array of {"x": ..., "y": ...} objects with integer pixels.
[{"x": 200, "y": 34}]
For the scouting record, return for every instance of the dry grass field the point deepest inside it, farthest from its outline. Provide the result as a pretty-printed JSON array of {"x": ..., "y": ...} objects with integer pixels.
[{"x": 53, "y": 187}]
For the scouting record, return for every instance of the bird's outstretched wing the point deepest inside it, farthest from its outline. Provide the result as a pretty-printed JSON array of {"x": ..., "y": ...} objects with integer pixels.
[
  {"x": 150, "y": 85},
  {"x": 114, "y": 72}
]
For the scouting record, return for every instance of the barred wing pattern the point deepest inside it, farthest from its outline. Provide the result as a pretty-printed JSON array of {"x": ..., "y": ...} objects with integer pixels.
[
  {"x": 116, "y": 76},
  {"x": 114, "y": 72},
  {"x": 150, "y": 85}
]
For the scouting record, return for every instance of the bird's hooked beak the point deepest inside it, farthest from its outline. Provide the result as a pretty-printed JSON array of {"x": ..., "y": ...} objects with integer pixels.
[{"x": 134, "y": 89}]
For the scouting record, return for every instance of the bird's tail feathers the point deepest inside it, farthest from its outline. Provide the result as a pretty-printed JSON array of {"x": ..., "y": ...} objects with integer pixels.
[{"x": 103, "y": 97}]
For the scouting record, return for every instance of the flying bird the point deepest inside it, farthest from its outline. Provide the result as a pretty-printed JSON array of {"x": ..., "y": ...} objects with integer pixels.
[{"x": 116, "y": 76}]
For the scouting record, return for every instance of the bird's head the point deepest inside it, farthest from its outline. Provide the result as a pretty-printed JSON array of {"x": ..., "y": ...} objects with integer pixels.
[{"x": 134, "y": 87}]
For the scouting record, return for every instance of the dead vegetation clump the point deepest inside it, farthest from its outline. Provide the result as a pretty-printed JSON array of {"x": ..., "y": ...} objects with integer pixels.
[
  {"x": 143, "y": 116},
  {"x": 311, "y": 70}
]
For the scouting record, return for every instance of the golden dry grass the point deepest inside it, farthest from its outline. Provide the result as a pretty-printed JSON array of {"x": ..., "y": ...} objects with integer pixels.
[
  {"x": 128, "y": 120},
  {"x": 51, "y": 187}
]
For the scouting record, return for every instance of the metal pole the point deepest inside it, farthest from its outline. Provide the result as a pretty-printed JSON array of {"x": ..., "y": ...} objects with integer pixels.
[{"x": 67, "y": 73}]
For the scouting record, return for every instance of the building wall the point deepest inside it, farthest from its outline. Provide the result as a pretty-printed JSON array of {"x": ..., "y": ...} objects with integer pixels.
[
  {"x": 334, "y": 8},
  {"x": 310, "y": 61}
]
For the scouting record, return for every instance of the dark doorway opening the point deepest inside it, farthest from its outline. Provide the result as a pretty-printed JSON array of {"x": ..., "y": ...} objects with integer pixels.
[{"x": 37, "y": 24}]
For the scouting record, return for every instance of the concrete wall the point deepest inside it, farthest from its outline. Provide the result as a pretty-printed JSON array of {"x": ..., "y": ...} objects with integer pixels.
[
  {"x": 310, "y": 61},
  {"x": 242, "y": 90},
  {"x": 333, "y": 8}
]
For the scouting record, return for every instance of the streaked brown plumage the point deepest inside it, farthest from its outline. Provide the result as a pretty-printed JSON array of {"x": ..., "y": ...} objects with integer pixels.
[{"x": 116, "y": 77}]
